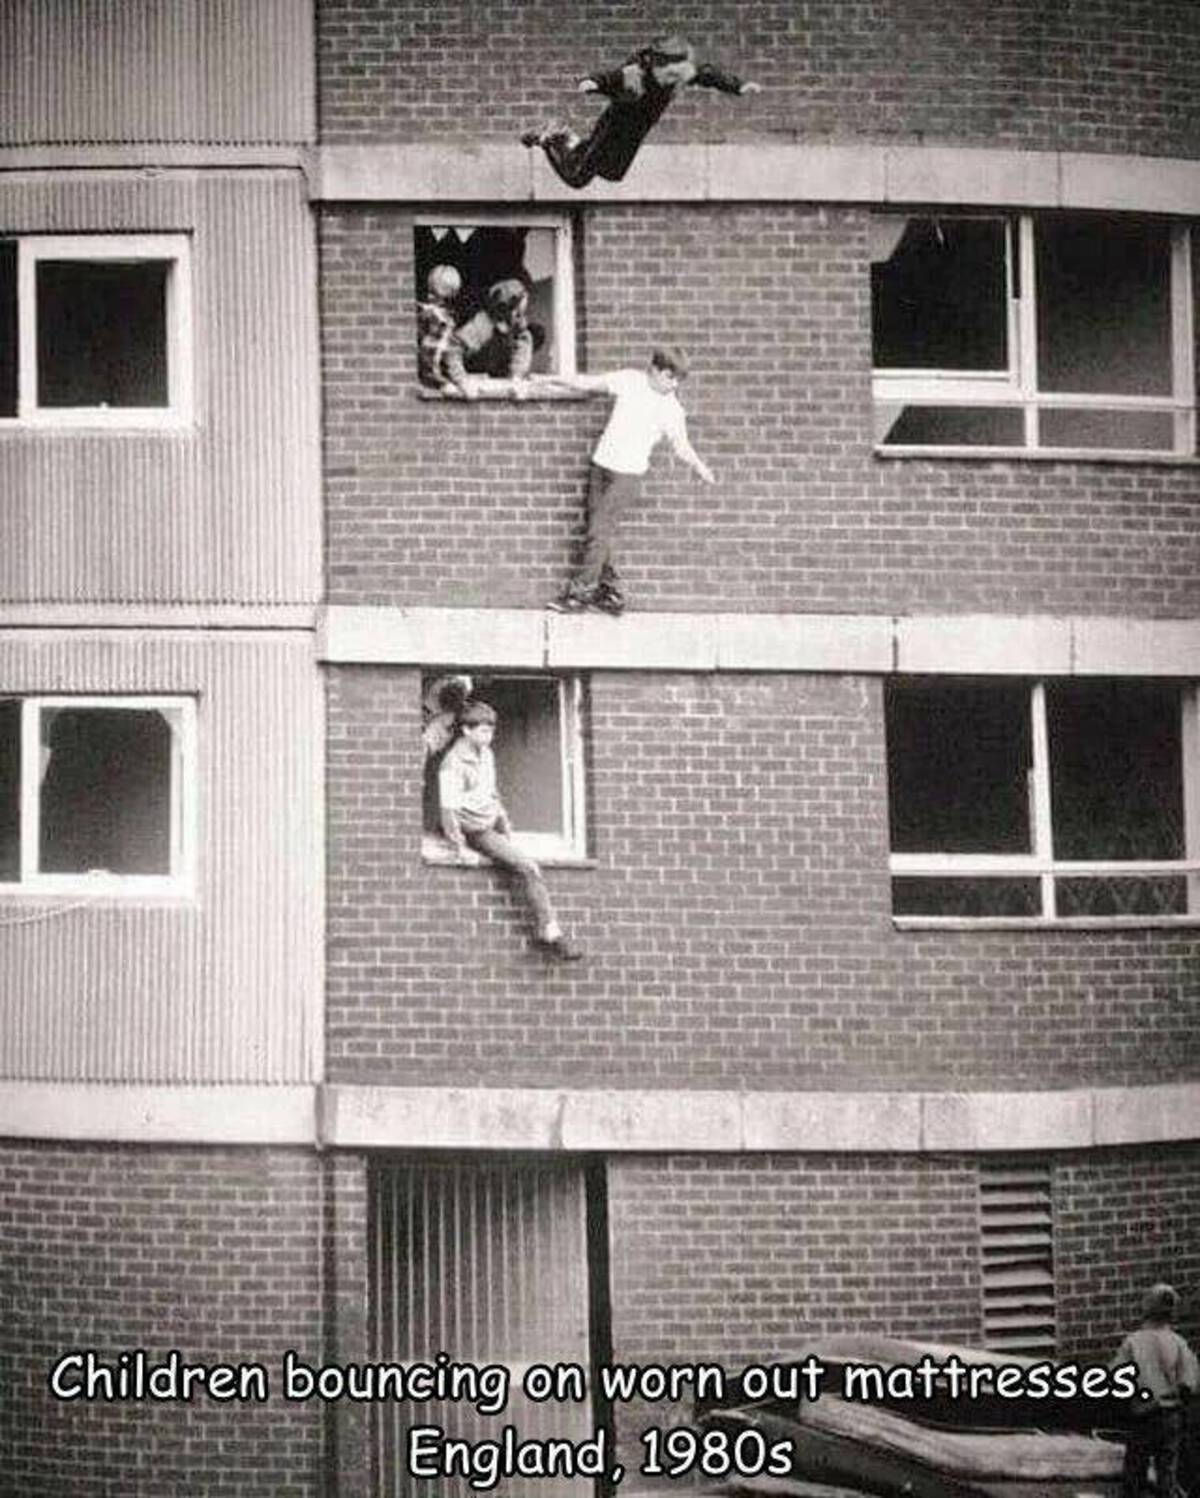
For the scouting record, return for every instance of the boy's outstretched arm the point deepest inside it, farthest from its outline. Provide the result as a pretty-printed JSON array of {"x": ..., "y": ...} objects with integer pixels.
[
  {"x": 708, "y": 76},
  {"x": 587, "y": 384},
  {"x": 692, "y": 458}
]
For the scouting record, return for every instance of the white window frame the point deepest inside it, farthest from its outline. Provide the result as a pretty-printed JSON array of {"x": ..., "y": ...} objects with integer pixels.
[
  {"x": 1017, "y": 386},
  {"x": 570, "y": 844},
  {"x": 562, "y": 336},
  {"x": 1041, "y": 864},
  {"x": 180, "y": 714},
  {"x": 101, "y": 248}
]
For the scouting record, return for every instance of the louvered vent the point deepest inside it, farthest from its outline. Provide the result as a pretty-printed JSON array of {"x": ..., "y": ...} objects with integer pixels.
[{"x": 1017, "y": 1250}]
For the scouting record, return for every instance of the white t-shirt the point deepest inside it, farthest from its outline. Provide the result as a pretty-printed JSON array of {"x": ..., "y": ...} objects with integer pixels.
[{"x": 639, "y": 417}]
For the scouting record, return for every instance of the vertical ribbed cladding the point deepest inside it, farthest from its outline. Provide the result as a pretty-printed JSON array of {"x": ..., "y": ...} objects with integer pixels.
[
  {"x": 212, "y": 71},
  {"x": 225, "y": 987},
  {"x": 228, "y": 510}
]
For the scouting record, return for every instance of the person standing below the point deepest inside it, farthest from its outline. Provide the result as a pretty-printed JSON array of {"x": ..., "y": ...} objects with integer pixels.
[
  {"x": 645, "y": 409},
  {"x": 1168, "y": 1375},
  {"x": 637, "y": 93},
  {"x": 474, "y": 819}
]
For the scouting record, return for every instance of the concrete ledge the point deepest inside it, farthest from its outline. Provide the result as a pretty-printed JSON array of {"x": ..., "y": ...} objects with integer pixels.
[
  {"x": 1133, "y": 647},
  {"x": 983, "y": 644},
  {"x": 1009, "y": 1121},
  {"x": 735, "y": 1122},
  {"x": 635, "y": 642},
  {"x": 122, "y": 1114},
  {"x": 613, "y": 1121},
  {"x": 948, "y": 644},
  {"x": 768, "y": 170},
  {"x": 458, "y": 637},
  {"x": 804, "y": 642}
]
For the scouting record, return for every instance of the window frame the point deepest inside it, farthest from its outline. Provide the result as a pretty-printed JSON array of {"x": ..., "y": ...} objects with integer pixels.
[
  {"x": 568, "y": 846},
  {"x": 562, "y": 338},
  {"x": 180, "y": 714},
  {"x": 1040, "y": 862},
  {"x": 1017, "y": 387},
  {"x": 128, "y": 249}
]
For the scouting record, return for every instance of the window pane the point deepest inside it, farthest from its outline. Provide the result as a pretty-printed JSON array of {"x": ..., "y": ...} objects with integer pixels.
[
  {"x": 1108, "y": 897},
  {"x": 966, "y": 897},
  {"x": 487, "y": 254},
  {"x": 1149, "y": 431},
  {"x": 102, "y": 333},
  {"x": 10, "y": 790},
  {"x": 939, "y": 293},
  {"x": 1116, "y": 770},
  {"x": 8, "y": 327},
  {"x": 958, "y": 761},
  {"x": 106, "y": 791},
  {"x": 528, "y": 749},
  {"x": 1103, "y": 305},
  {"x": 950, "y": 426}
]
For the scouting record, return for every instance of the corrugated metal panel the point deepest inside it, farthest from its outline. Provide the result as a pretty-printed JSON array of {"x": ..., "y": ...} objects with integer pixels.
[
  {"x": 228, "y": 511},
  {"x": 225, "y": 987},
  {"x": 1017, "y": 1233},
  {"x": 221, "y": 71},
  {"x": 488, "y": 1264}
]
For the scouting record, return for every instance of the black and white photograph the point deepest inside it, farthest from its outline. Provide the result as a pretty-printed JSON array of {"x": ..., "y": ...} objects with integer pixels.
[{"x": 599, "y": 749}]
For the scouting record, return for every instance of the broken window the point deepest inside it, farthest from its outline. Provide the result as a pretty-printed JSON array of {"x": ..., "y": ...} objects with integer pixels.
[
  {"x": 94, "y": 330},
  {"x": 539, "y": 762},
  {"x": 1064, "y": 332},
  {"x": 94, "y": 787},
  {"x": 1045, "y": 800},
  {"x": 489, "y": 261}
]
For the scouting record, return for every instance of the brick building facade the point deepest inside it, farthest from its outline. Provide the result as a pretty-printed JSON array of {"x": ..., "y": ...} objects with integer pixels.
[{"x": 878, "y": 815}]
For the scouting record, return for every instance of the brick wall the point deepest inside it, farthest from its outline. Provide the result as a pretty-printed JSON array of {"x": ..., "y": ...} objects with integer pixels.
[
  {"x": 737, "y": 920},
  {"x": 1082, "y": 75},
  {"x": 438, "y": 503},
  {"x": 1124, "y": 1219},
  {"x": 213, "y": 1252},
  {"x": 746, "y": 1260}
]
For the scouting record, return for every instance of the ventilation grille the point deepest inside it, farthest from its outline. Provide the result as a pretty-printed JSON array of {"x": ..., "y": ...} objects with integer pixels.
[{"x": 1017, "y": 1252}]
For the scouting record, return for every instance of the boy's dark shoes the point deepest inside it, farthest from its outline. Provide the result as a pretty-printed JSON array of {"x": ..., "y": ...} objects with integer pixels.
[
  {"x": 531, "y": 138},
  {"x": 557, "y": 949},
  {"x": 570, "y": 602},
  {"x": 609, "y": 603}
]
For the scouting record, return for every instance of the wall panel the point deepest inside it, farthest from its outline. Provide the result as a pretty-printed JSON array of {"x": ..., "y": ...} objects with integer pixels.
[
  {"x": 225, "y": 986},
  {"x": 229, "y": 510},
  {"x": 156, "y": 70}
]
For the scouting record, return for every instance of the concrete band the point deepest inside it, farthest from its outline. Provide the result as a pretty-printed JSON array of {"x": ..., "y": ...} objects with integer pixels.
[{"x": 365, "y": 1117}]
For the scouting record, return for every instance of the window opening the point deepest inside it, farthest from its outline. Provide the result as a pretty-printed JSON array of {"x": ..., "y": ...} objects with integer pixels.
[
  {"x": 1062, "y": 799},
  {"x": 539, "y": 761},
  {"x": 95, "y": 793},
  {"x": 95, "y": 330},
  {"x": 498, "y": 271},
  {"x": 102, "y": 333},
  {"x": 1064, "y": 332}
]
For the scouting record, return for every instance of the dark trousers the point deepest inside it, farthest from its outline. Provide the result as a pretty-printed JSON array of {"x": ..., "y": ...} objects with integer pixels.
[
  {"x": 608, "y": 495},
  {"x": 1153, "y": 1437},
  {"x": 571, "y": 158},
  {"x": 526, "y": 874}
]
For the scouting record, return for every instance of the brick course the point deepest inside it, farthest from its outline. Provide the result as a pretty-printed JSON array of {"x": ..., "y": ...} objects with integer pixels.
[
  {"x": 737, "y": 920},
  {"x": 1082, "y": 75},
  {"x": 213, "y": 1252},
  {"x": 435, "y": 503}
]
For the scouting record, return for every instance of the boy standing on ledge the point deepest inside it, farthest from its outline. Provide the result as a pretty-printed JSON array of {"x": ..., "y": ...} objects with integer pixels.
[
  {"x": 645, "y": 409},
  {"x": 474, "y": 819}
]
